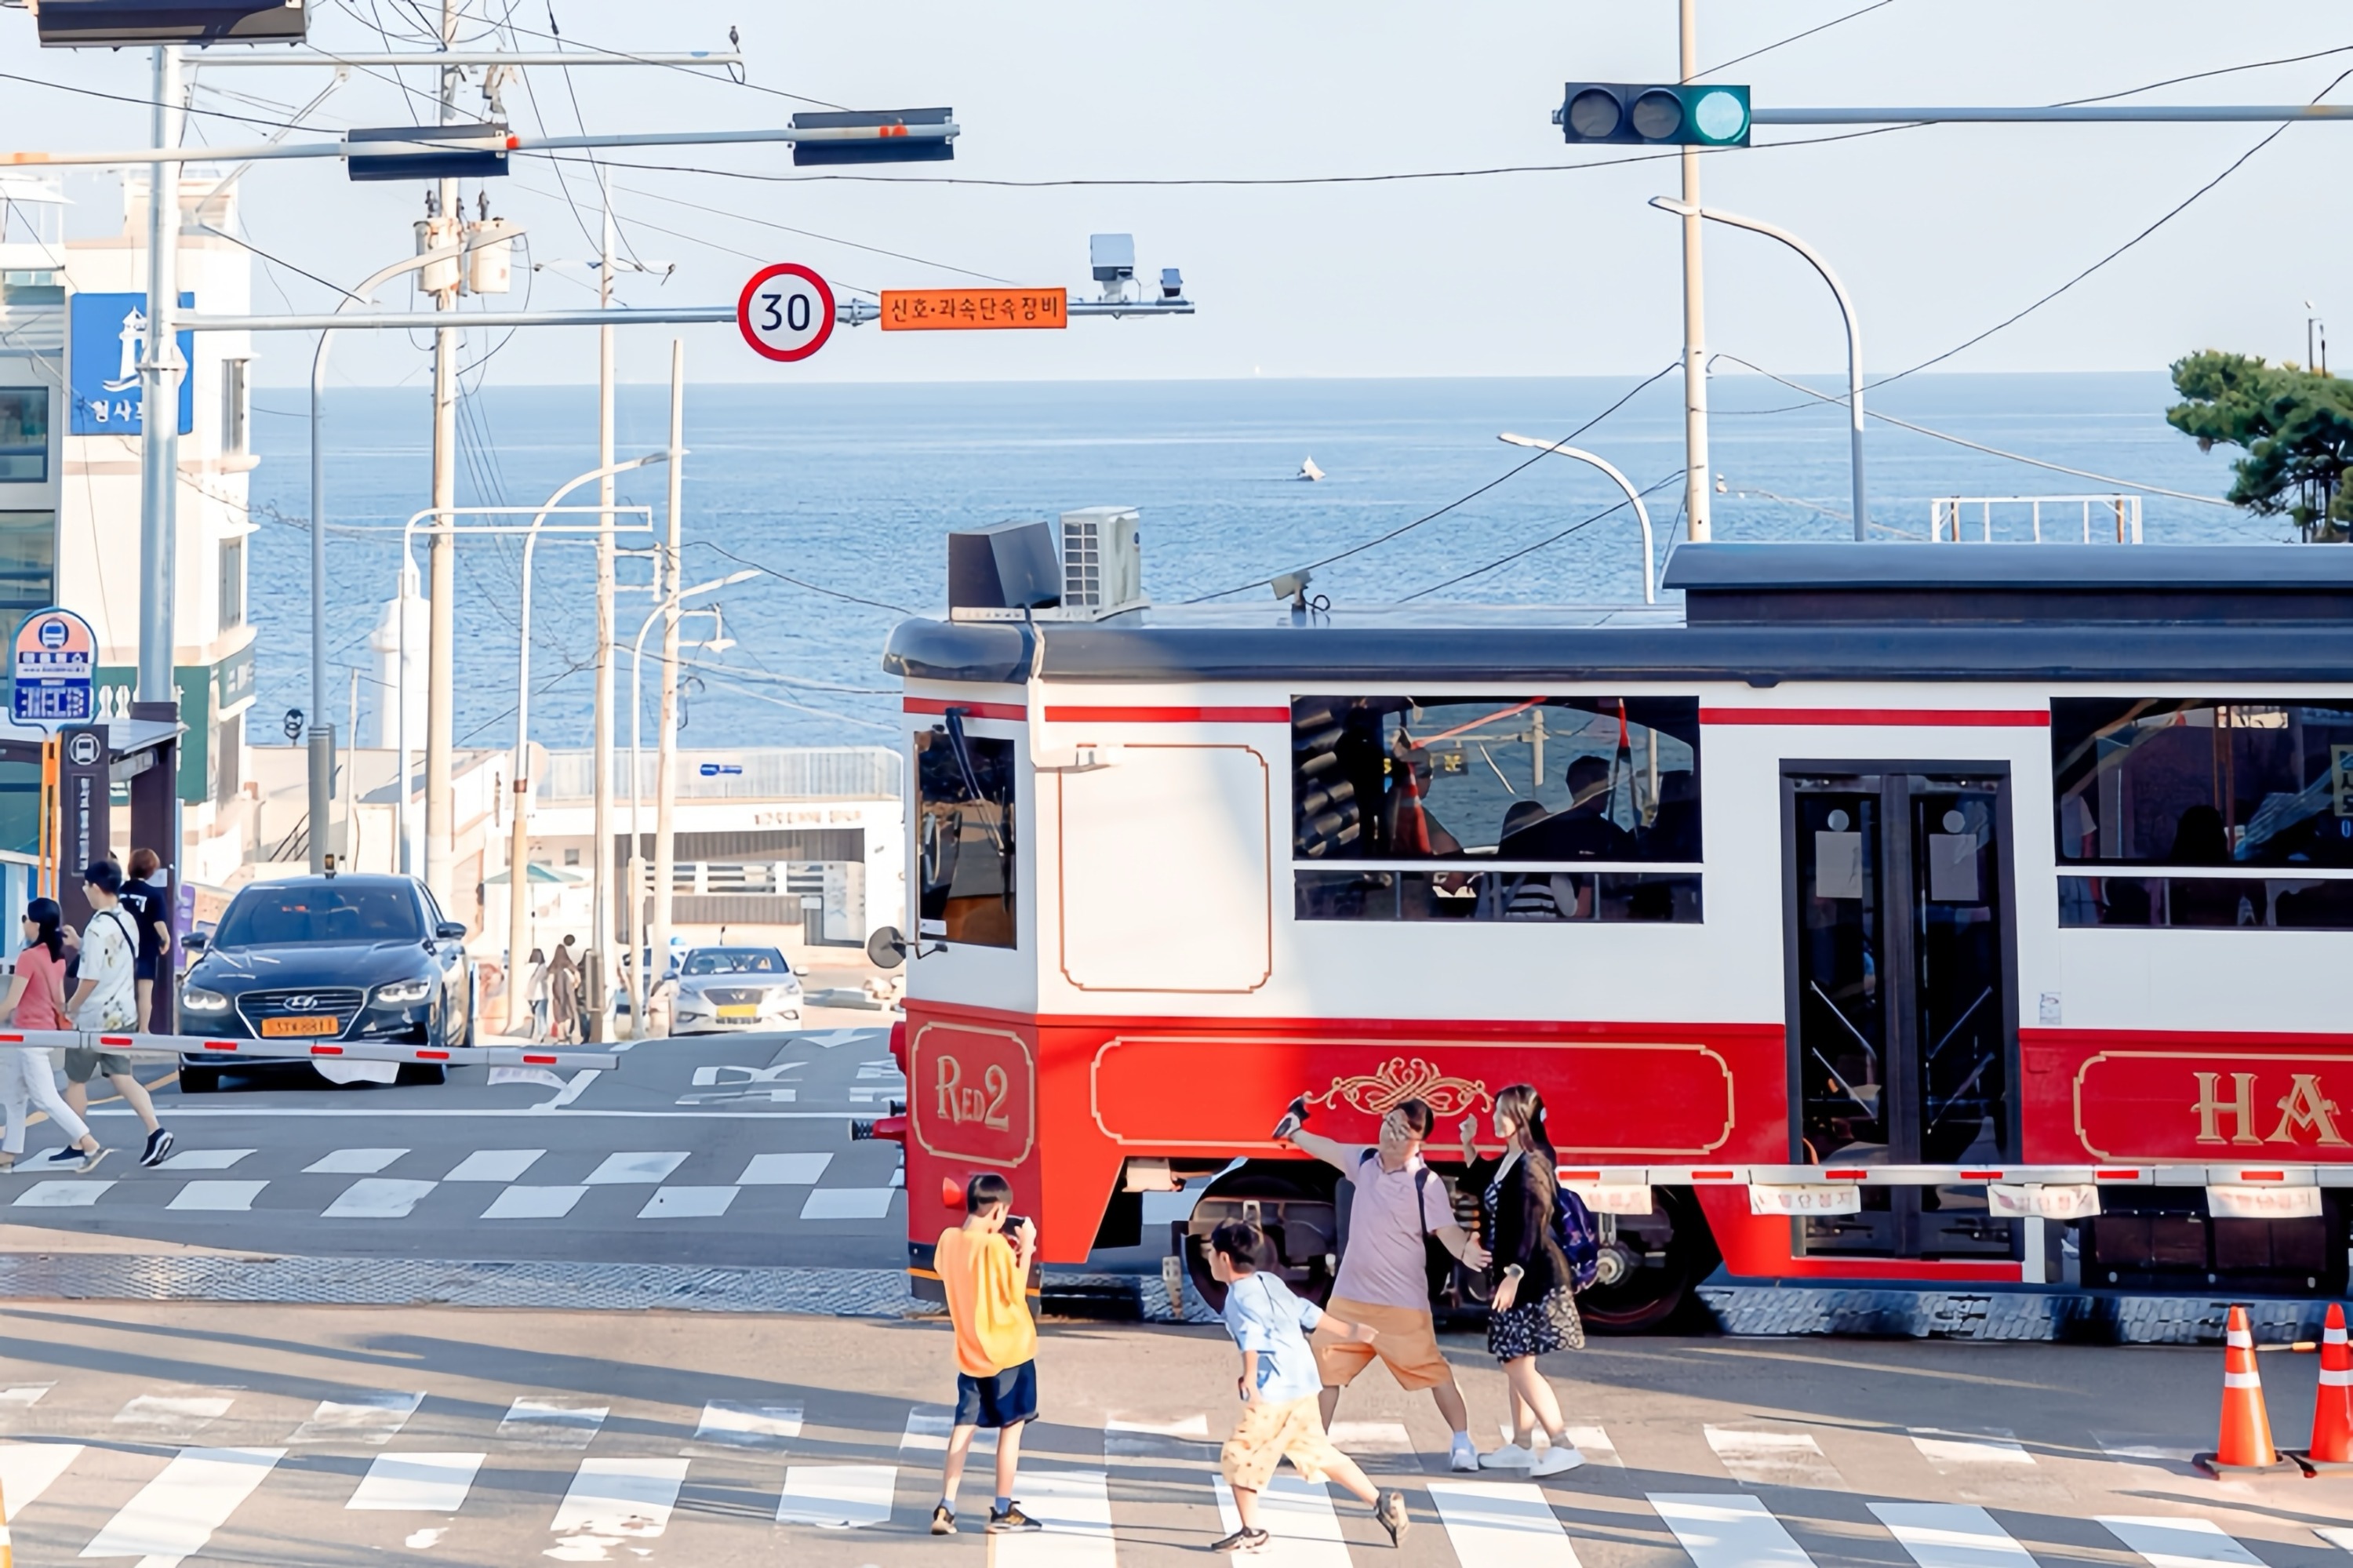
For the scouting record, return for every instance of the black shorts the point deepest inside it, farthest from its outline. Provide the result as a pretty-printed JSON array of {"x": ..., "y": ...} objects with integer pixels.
[
  {"x": 1004, "y": 1399},
  {"x": 143, "y": 968}
]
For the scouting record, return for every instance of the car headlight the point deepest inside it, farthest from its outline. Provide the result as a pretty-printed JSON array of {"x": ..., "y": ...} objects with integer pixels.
[
  {"x": 197, "y": 999},
  {"x": 402, "y": 994}
]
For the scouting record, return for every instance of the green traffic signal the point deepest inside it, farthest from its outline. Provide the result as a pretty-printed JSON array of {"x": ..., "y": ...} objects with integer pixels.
[{"x": 1662, "y": 114}]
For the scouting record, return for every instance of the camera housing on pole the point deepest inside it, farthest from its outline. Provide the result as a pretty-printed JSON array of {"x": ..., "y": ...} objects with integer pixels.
[{"x": 1648, "y": 115}]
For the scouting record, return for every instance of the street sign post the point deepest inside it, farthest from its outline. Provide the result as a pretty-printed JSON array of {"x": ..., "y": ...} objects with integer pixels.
[
  {"x": 53, "y": 670},
  {"x": 975, "y": 310},
  {"x": 785, "y": 312}
]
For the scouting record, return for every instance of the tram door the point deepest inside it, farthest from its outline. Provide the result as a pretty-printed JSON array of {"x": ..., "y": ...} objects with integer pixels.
[{"x": 1901, "y": 997}]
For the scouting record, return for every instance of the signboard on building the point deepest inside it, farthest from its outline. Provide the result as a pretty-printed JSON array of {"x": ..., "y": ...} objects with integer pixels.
[
  {"x": 108, "y": 338},
  {"x": 53, "y": 670}
]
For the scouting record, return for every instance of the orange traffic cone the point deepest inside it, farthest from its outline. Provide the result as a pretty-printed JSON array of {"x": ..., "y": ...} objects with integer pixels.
[
  {"x": 2332, "y": 1409},
  {"x": 2244, "y": 1446}
]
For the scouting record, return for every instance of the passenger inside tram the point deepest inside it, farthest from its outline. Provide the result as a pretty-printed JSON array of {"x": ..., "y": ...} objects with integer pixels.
[{"x": 1583, "y": 832}]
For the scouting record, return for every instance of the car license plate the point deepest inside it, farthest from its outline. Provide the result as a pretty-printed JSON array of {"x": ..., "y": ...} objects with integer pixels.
[
  {"x": 314, "y": 1024},
  {"x": 739, "y": 1015}
]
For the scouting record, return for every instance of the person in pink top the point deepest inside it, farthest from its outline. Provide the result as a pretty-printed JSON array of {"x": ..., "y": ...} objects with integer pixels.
[{"x": 36, "y": 1000}]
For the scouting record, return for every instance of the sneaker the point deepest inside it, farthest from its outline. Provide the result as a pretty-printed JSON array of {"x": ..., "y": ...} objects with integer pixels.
[
  {"x": 159, "y": 1144},
  {"x": 1295, "y": 1116},
  {"x": 1244, "y": 1540},
  {"x": 1463, "y": 1456},
  {"x": 1390, "y": 1514},
  {"x": 90, "y": 1161},
  {"x": 1558, "y": 1457},
  {"x": 1510, "y": 1456},
  {"x": 943, "y": 1520},
  {"x": 1012, "y": 1518}
]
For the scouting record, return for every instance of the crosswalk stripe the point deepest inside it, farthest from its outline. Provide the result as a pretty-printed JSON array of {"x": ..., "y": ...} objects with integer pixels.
[
  {"x": 353, "y": 1161},
  {"x": 927, "y": 1431},
  {"x": 375, "y": 1416},
  {"x": 61, "y": 1195},
  {"x": 417, "y": 1483},
  {"x": 27, "y": 1470},
  {"x": 614, "y": 1500},
  {"x": 217, "y": 1197},
  {"x": 1729, "y": 1529},
  {"x": 24, "y": 1395},
  {"x": 748, "y": 1425},
  {"x": 1593, "y": 1443},
  {"x": 837, "y": 1497},
  {"x": 1951, "y": 1535},
  {"x": 1502, "y": 1522},
  {"x": 175, "y": 1514},
  {"x": 533, "y": 1202},
  {"x": 1963, "y": 1451},
  {"x": 848, "y": 1202},
  {"x": 2337, "y": 1535},
  {"x": 2175, "y": 1542},
  {"x": 173, "y": 1416},
  {"x": 1303, "y": 1531},
  {"x": 783, "y": 1170},
  {"x": 1371, "y": 1438},
  {"x": 1074, "y": 1506},
  {"x": 204, "y": 1158},
  {"x": 553, "y": 1423},
  {"x": 1773, "y": 1458},
  {"x": 379, "y": 1198},
  {"x": 495, "y": 1165},
  {"x": 688, "y": 1203},
  {"x": 645, "y": 1167}
]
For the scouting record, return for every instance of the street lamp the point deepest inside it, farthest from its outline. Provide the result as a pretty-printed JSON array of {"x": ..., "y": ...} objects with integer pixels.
[
  {"x": 1641, "y": 512},
  {"x": 1853, "y": 335},
  {"x": 519, "y": 844}
]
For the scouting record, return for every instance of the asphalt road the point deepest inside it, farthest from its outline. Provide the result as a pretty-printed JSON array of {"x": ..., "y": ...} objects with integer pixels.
[
  {"x": 732, "y": 1150},
  {"x": 323, "y": 1436}
]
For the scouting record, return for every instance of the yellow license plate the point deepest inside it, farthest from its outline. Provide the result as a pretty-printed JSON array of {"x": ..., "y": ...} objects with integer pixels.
[
  {"x": 279, "y": 1028},
  {"x": 739, "y": 1015}
]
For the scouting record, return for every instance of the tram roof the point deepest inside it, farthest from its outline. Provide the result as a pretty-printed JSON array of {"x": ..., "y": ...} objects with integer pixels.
[{"x": 1763, "y": 613}]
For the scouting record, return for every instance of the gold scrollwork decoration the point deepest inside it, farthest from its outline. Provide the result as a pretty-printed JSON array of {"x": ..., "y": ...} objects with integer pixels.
[{"x": 1399, "y": 1079}]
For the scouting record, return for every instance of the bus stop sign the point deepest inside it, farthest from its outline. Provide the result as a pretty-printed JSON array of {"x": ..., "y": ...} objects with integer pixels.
[{"x": 55, "y": 665}]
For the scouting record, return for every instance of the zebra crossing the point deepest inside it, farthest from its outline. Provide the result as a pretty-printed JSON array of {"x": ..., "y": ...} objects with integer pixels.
[
  {"x": 361, "y": 1184},
  {"x": 144, "y": 1484}
]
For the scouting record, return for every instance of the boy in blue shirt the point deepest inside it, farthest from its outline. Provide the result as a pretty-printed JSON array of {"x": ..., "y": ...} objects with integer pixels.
[{"x": 1279, "y": 1386}]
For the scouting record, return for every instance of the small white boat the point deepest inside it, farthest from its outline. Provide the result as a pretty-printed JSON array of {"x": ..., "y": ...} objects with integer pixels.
[{"x": 1309, "y": 471}]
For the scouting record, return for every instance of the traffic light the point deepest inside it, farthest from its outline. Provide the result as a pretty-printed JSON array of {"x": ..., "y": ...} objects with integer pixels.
[
  {"x": 1658, "y": 115},
  {"x": 113, "y": 23},
  {"x": 889, "y": 136}
]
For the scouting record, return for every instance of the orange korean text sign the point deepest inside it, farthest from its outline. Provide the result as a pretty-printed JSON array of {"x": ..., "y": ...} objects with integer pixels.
[{"x": 973, "y": 310}]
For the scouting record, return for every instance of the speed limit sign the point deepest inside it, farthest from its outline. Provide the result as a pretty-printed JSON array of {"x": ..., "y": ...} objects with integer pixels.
[{"x": 786, "y": 312}]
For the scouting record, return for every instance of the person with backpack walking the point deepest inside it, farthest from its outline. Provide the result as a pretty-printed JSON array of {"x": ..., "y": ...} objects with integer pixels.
[
  {"x": 106, "y": 1000},
  {"x": 1400, "y": 1207},
  {"x": 36, "y": 1000},
  {"x": 1281, "y": 1391},
  {"x": 1531, "y": 1304}
]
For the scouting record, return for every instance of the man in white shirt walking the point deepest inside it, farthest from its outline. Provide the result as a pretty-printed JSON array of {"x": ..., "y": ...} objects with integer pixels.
[{"x": 107, "y": 999}]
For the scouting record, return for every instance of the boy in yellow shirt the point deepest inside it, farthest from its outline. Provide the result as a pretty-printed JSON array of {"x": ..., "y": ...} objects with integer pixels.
[{"x": 986, "y": 1278}]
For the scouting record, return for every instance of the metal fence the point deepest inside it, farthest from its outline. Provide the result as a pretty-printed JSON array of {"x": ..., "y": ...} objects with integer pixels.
[{"x": 771, "y": 773}]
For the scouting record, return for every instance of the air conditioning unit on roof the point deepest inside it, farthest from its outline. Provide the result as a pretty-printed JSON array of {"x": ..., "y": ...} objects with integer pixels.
[{"x": 1102, "y": 559}]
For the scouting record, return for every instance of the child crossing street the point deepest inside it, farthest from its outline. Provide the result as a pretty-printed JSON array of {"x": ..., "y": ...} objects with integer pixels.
[
  {"x": 1279, "y": 1386},
  {"x": 986, "y": 1278}
]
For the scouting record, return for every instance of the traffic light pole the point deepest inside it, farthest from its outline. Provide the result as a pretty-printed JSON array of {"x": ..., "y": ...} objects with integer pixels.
[{"x": 1696, "y": 491}]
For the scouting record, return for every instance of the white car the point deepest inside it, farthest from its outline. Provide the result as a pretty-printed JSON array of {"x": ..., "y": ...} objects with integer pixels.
[{"x": 719, "y": 990}]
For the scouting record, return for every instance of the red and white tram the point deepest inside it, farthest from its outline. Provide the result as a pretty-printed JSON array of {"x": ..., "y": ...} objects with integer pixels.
[{"x": 1932, "y": 914}]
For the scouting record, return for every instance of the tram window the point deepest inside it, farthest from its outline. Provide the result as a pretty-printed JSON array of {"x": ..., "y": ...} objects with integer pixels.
[
  {"x": 2202, "y": 781},
  {"x": 1541, "y": 780},
  {"x": 1607, "y": 896},
  {"x": 964, "y": 835},
  {"x": 2286, "y": 903}
]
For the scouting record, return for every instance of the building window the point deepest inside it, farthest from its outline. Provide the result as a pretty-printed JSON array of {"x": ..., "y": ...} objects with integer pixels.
[
  {"x": 28, "y": 556},
  {"x": 232, "y": 583},
  {"x": 572, "y": 857},
  {"x": 227, "y": 759},
  {"x": 2257, "y": 796},
  {"x": 1492, "y": 799},
  {"x": 236, "y": 407},
  {"x": 24, "y": 435},
  {"x": 964, "y": 789}
]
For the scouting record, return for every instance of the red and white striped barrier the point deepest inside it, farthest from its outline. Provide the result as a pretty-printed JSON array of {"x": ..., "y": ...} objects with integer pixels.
[{"x": 287, "y": 1050}]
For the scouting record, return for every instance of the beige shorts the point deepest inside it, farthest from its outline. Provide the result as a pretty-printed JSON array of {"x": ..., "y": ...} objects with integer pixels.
[
  {"x": 1269, "y": 1433},
  {"x": 1407, "y": 1341}
]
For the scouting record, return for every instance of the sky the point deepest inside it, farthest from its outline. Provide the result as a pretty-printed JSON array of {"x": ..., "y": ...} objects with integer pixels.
[{"x": 1939, "y": 232}]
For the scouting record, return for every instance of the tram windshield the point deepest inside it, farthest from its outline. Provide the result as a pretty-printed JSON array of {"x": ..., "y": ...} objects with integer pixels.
[{"x": 964, "y": 796}]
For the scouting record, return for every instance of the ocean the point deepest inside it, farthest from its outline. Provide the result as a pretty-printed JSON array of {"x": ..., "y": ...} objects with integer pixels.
[{"x": 851, "y": 488}]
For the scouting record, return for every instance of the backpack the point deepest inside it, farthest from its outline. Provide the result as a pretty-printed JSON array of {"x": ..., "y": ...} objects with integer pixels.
[
  {"x": 1580, "y": 1238},
  {"x": 1437, "y": 1263}
]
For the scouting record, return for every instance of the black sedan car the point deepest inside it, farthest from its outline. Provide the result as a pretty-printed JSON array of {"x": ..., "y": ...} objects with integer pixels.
[{"x": 307, "y": 958}]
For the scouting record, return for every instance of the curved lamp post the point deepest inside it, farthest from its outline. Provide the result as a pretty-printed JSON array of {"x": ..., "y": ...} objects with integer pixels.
[{"x": 1641, "y": 512}]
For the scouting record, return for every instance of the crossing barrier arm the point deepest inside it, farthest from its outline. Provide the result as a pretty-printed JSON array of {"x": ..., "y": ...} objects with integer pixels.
[{"x": 176, "y": 1045}]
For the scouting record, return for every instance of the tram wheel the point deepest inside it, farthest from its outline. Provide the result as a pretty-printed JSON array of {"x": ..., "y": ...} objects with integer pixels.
[
  {"x": 1657, "y": 1259},
  {"x": 1293, "y": 1202}
]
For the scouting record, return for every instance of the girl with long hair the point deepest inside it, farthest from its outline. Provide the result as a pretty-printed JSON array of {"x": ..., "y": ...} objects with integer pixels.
[
  {"x": 36, "y": 1000},
  {"x": 1531, "y": 1308}
]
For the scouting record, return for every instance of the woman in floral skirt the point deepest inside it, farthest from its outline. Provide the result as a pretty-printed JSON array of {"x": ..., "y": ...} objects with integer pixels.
[{"x": 1531, "y": 1310}]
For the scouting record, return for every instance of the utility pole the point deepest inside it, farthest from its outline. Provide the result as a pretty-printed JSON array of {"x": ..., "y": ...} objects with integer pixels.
[
  {"x": 1697, "y": 488},
  {"x": 665, "y": 759},
  {"x": 599, "y": 988},
  {"x": 160, "y": 371},
  {"x": 441, "y": 719}
]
